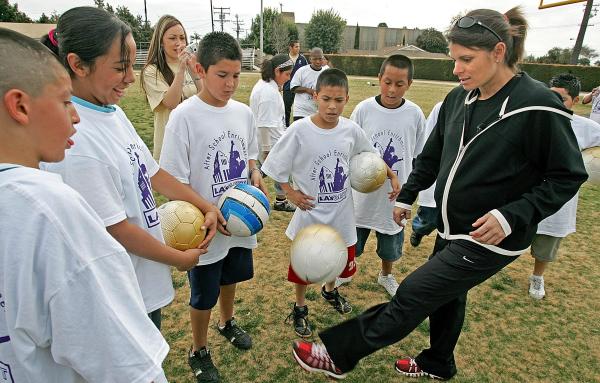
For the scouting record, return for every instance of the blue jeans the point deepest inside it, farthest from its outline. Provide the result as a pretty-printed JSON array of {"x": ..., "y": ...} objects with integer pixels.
[{"x": 425, "y": 221}]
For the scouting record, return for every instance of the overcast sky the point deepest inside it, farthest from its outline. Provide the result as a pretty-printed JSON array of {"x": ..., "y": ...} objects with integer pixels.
[{"x": 548, "y": 28}]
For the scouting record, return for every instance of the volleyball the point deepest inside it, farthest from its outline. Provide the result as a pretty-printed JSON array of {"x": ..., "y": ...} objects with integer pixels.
[
  {"x": 591, "y": 160},
  {"x": 367, "y": 172},
  {"x": 181, "y": 224},
  {"x": 245, "y": 208},
  {"x": 318, "y": 254}
]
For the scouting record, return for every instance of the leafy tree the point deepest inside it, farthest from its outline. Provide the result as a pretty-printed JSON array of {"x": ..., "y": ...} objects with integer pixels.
[
  {"x": 270, "y": 15},
  {"x": 324, "y": 30},
  {"x": 432, "y": 40},
  {"x": 11, "y": 14},
  {"x": 140, "y": 31},
  {"x": 280, "y": 35},
  {"x": 45, "y": 19},
  {"x": 195, "y": 37},
  {"x": 357, "y": 37},
  {"x": 382, "y": 25},
  {"x": 107, "y": 7}
]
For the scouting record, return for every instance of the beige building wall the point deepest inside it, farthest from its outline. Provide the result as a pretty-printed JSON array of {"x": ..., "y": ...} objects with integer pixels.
[{"x": 32, "y": 30}]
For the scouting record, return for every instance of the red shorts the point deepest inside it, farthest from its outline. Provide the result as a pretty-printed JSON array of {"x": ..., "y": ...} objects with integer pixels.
[{"x": 349, "y": 270}]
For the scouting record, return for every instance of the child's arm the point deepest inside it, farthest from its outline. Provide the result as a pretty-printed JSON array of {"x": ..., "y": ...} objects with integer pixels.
[
  {"x": 256, "y": 177},
  {"x": 303, "y": 201},
  {"x": 139, "y": 242},
  {"x": 588, "y": 97},
  {"x": 170, "y": 187},
  {"x": 301, "y": 89},
  {"x": 395, "y": 183}
]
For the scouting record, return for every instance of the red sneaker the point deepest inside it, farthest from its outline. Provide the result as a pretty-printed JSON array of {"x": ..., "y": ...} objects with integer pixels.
[
  {"x": 314, "y": 358},
  {"x": 408, "y": 367}
]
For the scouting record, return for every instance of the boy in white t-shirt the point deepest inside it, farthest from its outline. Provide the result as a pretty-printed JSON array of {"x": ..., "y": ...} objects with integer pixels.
[
  {"x": 303, "y": 85},
  {"x": 395, "y": 126},
  {"x": 210, "y": 144},
  {"x": 553, "y": 229},
  {"x": 64, "y": 281},
  {"x": 425, "y": 221},
  {"x": 316, "y": 152},
  {"x": 594, "y": 98}
]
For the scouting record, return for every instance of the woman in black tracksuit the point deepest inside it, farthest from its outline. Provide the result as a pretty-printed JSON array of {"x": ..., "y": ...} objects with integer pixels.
[{"x": 505, "y": 157}]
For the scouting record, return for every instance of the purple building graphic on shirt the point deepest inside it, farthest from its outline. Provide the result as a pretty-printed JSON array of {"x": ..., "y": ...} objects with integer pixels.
[
  {"x": 331, "y": 184},
  {"x": 228, "y": 169},
  {"x": 143, "y": 183},
  {"x": 5, "y": 373}
]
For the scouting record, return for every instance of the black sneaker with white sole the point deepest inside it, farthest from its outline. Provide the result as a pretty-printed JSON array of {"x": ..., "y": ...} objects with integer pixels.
[
  {"x": 235, "y": 334},
  {"x": 336, "y": 300},
  {"x": 202, "y": 366},
  {"x": 300, "y": 318}
]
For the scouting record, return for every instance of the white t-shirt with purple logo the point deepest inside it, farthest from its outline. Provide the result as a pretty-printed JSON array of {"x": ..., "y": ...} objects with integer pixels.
[
  {"x": 306, "y": 77},
  {"x": 595, "y": 112},
  {"x": 111, "y": 167},
  {"x": 209, "y": 148},
  {"x": 562, "y": 223},
  {"x": 70, "y": 307},
  {"x": 398, "y": 135},
  {"x": 319, "y": 161}
]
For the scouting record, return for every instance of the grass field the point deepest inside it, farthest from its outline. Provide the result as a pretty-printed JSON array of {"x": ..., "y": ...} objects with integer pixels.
[{"x": 507, "y": 337}]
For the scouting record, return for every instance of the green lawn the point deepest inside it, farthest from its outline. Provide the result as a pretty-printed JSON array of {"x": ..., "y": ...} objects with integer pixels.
[{"x": 507, "y": 337}]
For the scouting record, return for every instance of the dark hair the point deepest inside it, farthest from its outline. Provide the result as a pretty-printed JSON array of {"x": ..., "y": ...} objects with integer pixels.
[
  {"x": 400, "y": 62},
  {"x": 511, "y": 27},
  {"x": 568, "y": 82},
  {"x": 49, "y": 40},
  {"x": 293, "y": 42},
  {"x": 217, "y": 46},
  {"x": 89, "y": 32},
  {"x": 267, "y": 71},
  {"x": 156, "y": 53},
  {"x": 332, "y": 77},
  {"x": 25, "y": 64}
]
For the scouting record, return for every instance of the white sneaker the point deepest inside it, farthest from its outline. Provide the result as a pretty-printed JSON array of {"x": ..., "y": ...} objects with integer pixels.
[
  {"x": 389, "y": 283},
  {"x": 340, "y": 281},
  {"x": 536, "y": 287}
]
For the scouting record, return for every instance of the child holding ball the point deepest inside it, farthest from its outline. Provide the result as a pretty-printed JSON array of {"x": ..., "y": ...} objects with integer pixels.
[{"x": 316, "y": 152}]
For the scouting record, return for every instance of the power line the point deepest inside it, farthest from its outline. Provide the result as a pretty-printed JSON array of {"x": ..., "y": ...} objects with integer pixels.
[{"x": 238, "y": 24}]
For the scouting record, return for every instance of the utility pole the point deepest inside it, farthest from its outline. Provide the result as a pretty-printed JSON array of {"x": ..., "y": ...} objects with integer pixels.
[
  {"x": 581, "y": 34},
  {"x": 238, "y": 24},
  {"x": 212, "y": 20},
  {"x": 222, "y": 11},
  {"x": 261, "y": 28},
  {"x": 280, "y": 7},
  {"x": 145, "y": 14}
]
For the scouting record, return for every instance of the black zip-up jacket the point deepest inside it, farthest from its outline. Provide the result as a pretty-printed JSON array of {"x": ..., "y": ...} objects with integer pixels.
[{"x": 522, "y": 166}]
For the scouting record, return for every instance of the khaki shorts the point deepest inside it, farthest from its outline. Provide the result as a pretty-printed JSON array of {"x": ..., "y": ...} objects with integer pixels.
[
  {"x": 545, "y": 247},
  {"x": 267, "y": 138}
]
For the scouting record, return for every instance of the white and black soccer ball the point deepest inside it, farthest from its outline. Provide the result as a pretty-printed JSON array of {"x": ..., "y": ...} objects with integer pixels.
[
  {"x": 591, "y": 160},
  {"x": 245, "y": 208},
  {"x": 318, "y": 254},
  {"x": 181, "y": 224},
  {"x": 367, "y": 172}
]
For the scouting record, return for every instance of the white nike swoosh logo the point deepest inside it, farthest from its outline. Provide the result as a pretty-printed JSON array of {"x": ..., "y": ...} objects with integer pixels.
[{"x": 467, "y": 259}]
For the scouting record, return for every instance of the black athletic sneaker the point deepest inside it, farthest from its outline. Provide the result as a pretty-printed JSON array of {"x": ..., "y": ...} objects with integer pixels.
[
  {"x": 336, "y": 300},
  {"x": 202, "y": 366},
  {"x": 415, "y": 239},
  {"x": 301, "y": 325},
  {"x": 236, "y": 335},
  {"x": 284, "y": 205}
]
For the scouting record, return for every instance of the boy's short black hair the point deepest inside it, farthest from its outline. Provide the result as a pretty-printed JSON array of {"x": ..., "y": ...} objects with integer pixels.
[
  {"x": 26, "y": 64},
  {"x": 400, "y": 62},
  {"x": 293, "y": 42},
  {"x": 568, "y": 82},
  {"x": 217, "y": 46},
  {"x": 332, "y": 77}
]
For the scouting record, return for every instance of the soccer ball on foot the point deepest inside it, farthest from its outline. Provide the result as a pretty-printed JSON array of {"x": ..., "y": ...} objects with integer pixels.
[
  {"x": 591, "y": 160},
  {"x": 245, "y": 208},
  {"x": 367, "y": 172},
  {"x": 181, "y": 224},
  {"x": 318, "y": 254}
]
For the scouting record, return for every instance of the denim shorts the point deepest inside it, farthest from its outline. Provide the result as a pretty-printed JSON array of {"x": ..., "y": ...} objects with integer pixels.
[{"x": 389, "y": 246}]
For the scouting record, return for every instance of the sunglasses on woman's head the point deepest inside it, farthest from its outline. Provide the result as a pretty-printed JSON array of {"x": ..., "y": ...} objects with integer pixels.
[{"x": 467, "y": 22}]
